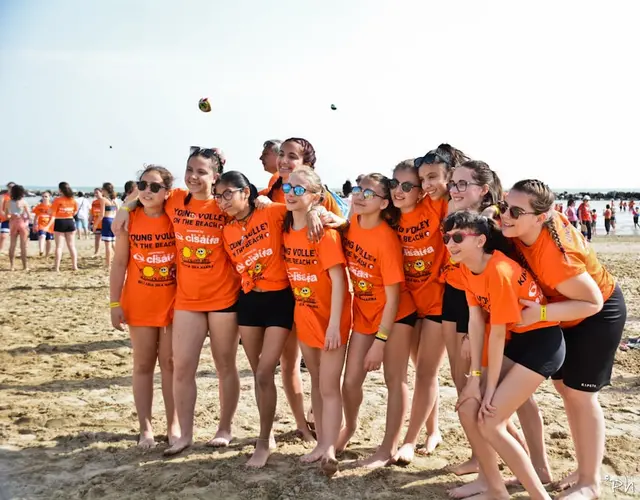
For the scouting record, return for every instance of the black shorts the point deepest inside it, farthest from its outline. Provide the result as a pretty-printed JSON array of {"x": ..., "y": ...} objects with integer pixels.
[
  {"x": 433, "y": 317},
  {"x": 231, "y": 309},
  {"x": 592, "y": 345},
  {"x": 409, "y": 319},
  {"x": 265, "y": 309},
  {"x": 455, "y": 308},
  {"x": 64, "y": 225},
  {"x": 541, "y": 351}
]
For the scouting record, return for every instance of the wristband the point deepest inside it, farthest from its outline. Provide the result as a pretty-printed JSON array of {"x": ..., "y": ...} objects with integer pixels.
[
  {"x": 383, "y": 330},
  {"x": 475, "y": 373},
  {"x": 543, "y": 313},
  {"x": 381, "y": 336},
  {"x": 113, "y": 305},
  {"x": 124, "y": 207}
]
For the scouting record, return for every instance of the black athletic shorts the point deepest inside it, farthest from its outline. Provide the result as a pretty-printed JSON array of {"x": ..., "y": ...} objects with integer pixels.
[
  {"x": 592, "y": 345},
  {"x": 265, "y": 309},
  {"x": 409, "y": 319},
  {"x": 542, "y": 350},
  {"x": 64, "y": 225},
  {"x": 433, "y": 317},
  {"x": 455, "y": 308}
]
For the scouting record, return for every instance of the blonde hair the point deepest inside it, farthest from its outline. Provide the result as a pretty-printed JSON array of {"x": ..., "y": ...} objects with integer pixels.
[{"x": 315, "y": 186}]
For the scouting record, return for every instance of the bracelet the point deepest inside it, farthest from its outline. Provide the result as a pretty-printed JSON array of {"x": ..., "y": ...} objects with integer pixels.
[
  {"x": 382, "y": 336},
  {"x": 113, "y": 305},
  {"x": 543, "y": 313},
  {"x": 124, "y": 207},
  {"x": 383, "y": 330},
  {"x": 474, "y": 373}
]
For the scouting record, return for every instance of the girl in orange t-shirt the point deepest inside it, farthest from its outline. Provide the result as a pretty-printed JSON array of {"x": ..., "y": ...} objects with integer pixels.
[
  {"x": 253, "y": 241},
  {"x": 294, "y": 153},
  {"x": 585, "y": 298},
  {"x": 43, "y": 224},
  {"x": 322, "y": 312},
  {"x": 142, "y": 290},
  {"x": 206, "y": 295},
  {"x": 384, "y": 314},
  {"x": 63, "y": 208},
  {"x": 95, "y": 215},
  {"x": 518, "y": 357}
]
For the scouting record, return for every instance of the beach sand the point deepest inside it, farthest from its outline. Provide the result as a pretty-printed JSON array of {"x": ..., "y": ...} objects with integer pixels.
[{"x": 68, "y": 426}]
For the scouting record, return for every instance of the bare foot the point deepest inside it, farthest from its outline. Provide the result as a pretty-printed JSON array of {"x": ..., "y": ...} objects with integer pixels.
[
  {"x": 468, "y": 467},
  {"x": 475, "y": 487},
  {"x": 263, "y": 450},
  {"x": 405, "y": 454},
  {"x": 503, "y": 495},
  {"x": 220, "y": 440},
  {"x": 306, "y": 435},
  {"x": 329, "y": 466},
  {"x": 315, "y": 455},
  {"x": 580, "y": 492},
  {"x": 179, "y": 446},
  {"x": 543, "y": 474},
  {"x": 343, "y": 439},
  {"x": 173, "y": 439},
  {"x": 375, "y": 461},
  {"x": 430, "y": 444},
  {"x": 146, "y": 441},
  {"x": 566, "y": 482}
]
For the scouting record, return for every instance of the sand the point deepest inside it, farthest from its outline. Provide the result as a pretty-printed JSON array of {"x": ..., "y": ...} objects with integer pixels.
[{"x": 68, "y": 426}]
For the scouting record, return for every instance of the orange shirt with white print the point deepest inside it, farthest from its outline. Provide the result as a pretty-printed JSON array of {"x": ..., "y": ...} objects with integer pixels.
[
  {"x": 42, "y": 218},
  {"x": 551, "y": 267},
  {"x": 149, "y": 290},
  {"x": 63, "y": 207},
  {"x": 96, "y": 212},
  {"x": 277, "y": 196},
  {"x": 424, "y": 254},
  {"x": 206, "y": 279},
  {"x": 374, "y": 259},
  {"x": 307, "y": 266},
  {"x": 255, "y": 249}
]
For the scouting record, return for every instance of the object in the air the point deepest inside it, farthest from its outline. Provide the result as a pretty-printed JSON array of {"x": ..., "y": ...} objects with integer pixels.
[
  {"x": 110, "y": 147},
  {"x": 204, "y": 105},
  {"x": 334, "y": 107}
]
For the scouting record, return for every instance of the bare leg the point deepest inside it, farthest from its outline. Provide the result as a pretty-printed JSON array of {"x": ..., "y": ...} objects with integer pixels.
[
  {"x": 58, "y": 237},
  {"x": 24, "y": 238},
  {"x": 165, "y": 358},
  {"x": 12, "y": 249},
  {"x": 71, "y": 245},
  {"x": 41, "y": 242}
]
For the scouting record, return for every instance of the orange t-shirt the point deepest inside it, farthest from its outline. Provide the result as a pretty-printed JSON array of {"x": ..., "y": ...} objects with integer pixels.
[
  {"x": 307, "y": 266},
  {"x": 64, "y": 208},
  {"x": 272, "y": 181},
  {"x": 277, "y": 196},
  {"x": 149, "y": 290},
  {"x": 206, "y": 279},
  {"x": 551, "y": 267},
  {"x": 374, "y": 259},
  {"x": 42, "y": 218},
  {"x": 424, "y": 253},
  {"x": 255, "y": 248},
  {"x": 5, "y": 199},
  {"x": 96, "y": 213}
]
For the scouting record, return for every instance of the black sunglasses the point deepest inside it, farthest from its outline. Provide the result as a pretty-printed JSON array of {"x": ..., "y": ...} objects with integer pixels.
[
  {"x": 405, "y": 186},
  {"x": 456, "y": 237},
  {"x": 153, "y": 186},
  {"x": 514, "y": 212},
  {"x": 206, "y": 152},
  {"x": 461, "y": 186},
  {"x": 429, "y": 159}
]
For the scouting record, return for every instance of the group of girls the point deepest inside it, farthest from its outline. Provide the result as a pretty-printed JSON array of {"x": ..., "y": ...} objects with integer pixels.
[{"x": 431, "y": 260}]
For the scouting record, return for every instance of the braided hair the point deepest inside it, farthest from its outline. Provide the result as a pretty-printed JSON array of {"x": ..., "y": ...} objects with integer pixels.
[{"x": 308, "y": 159}]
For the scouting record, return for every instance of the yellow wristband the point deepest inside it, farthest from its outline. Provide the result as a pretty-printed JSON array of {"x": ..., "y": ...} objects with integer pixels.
[
  {"x": 543, "y": 313},
  {"x": 383, "y": 330},
  {"x": 382, "y": 336},
  {"x": 124, "y": 207},
  {"x": 476, "y": 373},
  {"x": 114, "y": 304}
]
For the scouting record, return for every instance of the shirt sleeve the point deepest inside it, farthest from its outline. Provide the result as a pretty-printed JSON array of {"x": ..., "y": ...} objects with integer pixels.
[
  {"x": 471, "y": 299},
  {"x": 330, "y": 250},
  {"x": 391, "y": 260},
  {"x": 503, "y": 296}
]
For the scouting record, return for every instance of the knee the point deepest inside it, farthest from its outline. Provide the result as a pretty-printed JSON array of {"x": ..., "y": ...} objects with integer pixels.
[
  {"x": 166, "y": 364},
  {"x": 350, "y": 387},
  {"x": 394, "y": 379},
  {"x": 290, "y": 363},
  {"x": 264, "y": 377},
  {"x": 144, "y": 366},
  {"x": 226, "y": 366},
  {"x": 183, "y": 369},
  {"x": 329, "y": 388},
  {"x": 468, "y": 413},
  {"x": 426, "y": 373},
  {"x": 489, "y": 427}
]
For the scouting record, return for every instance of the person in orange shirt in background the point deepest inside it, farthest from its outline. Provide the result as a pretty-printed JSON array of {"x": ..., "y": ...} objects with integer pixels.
[
  {"x": 253, "y": 241},
  {"x": 269, "y": 159},
  {"x": 585, "y": 298},
  {"x": 144, "y": 273},
  {"x": 322, "y": 312},
  {"x": 4, "y": 220},
  {"x": 518, "y": 358},
  {"x": 384, "y": 314},
  {"x": 43, "y": 224},
  {"x": 63, "y": 208},
  {"x": 95, "y": 219}
]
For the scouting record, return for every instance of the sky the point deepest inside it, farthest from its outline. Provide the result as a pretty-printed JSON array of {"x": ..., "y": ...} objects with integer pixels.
[{"x": 544, "y": 89}]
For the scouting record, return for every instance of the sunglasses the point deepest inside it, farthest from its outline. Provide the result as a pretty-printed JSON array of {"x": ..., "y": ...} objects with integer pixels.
[
  {"x": 297, "y": 190},
  {"x": 461, "y": 186},
  {"x": 405, "y": 186},
  {"x": 514, "y": 212},
  {"x": 367, "y": 194},
  {"x": 456, "y": 237},
  {"x": 429, "y": 159},
  {"x": 206, "y": 153},
  {"x": 227, "y": 194},
  {"x": 153, "y": 186}
]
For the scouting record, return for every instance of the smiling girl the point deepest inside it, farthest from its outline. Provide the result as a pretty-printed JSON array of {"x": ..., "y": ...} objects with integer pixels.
[
  {"x": 518, "y": 357},
  {"x": 143, "y": 273}
]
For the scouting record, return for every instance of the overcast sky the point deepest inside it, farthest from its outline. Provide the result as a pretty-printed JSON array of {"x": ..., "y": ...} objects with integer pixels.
[{"x": 546, "y": 89}]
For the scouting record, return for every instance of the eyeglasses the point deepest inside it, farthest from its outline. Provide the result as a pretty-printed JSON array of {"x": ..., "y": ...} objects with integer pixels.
[
  {"x": 405, "y": 186},
  {"x": 153, "y": 186},
  {"x": 367, "y": 194},
  {"x": 456, "y": 237},
  {"x": 514, "y": 212},
  {"x": 297, "y": 190},
  {"x": 461, "y": 186},
  {"x": 429, "y": 159},
  {"x": 227, "y": 194}
]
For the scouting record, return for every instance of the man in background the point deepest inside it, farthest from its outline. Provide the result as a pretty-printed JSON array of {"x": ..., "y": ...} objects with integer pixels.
[
  {"x": 584, "y": 216},
  {"x": 269, "y": 159}
]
